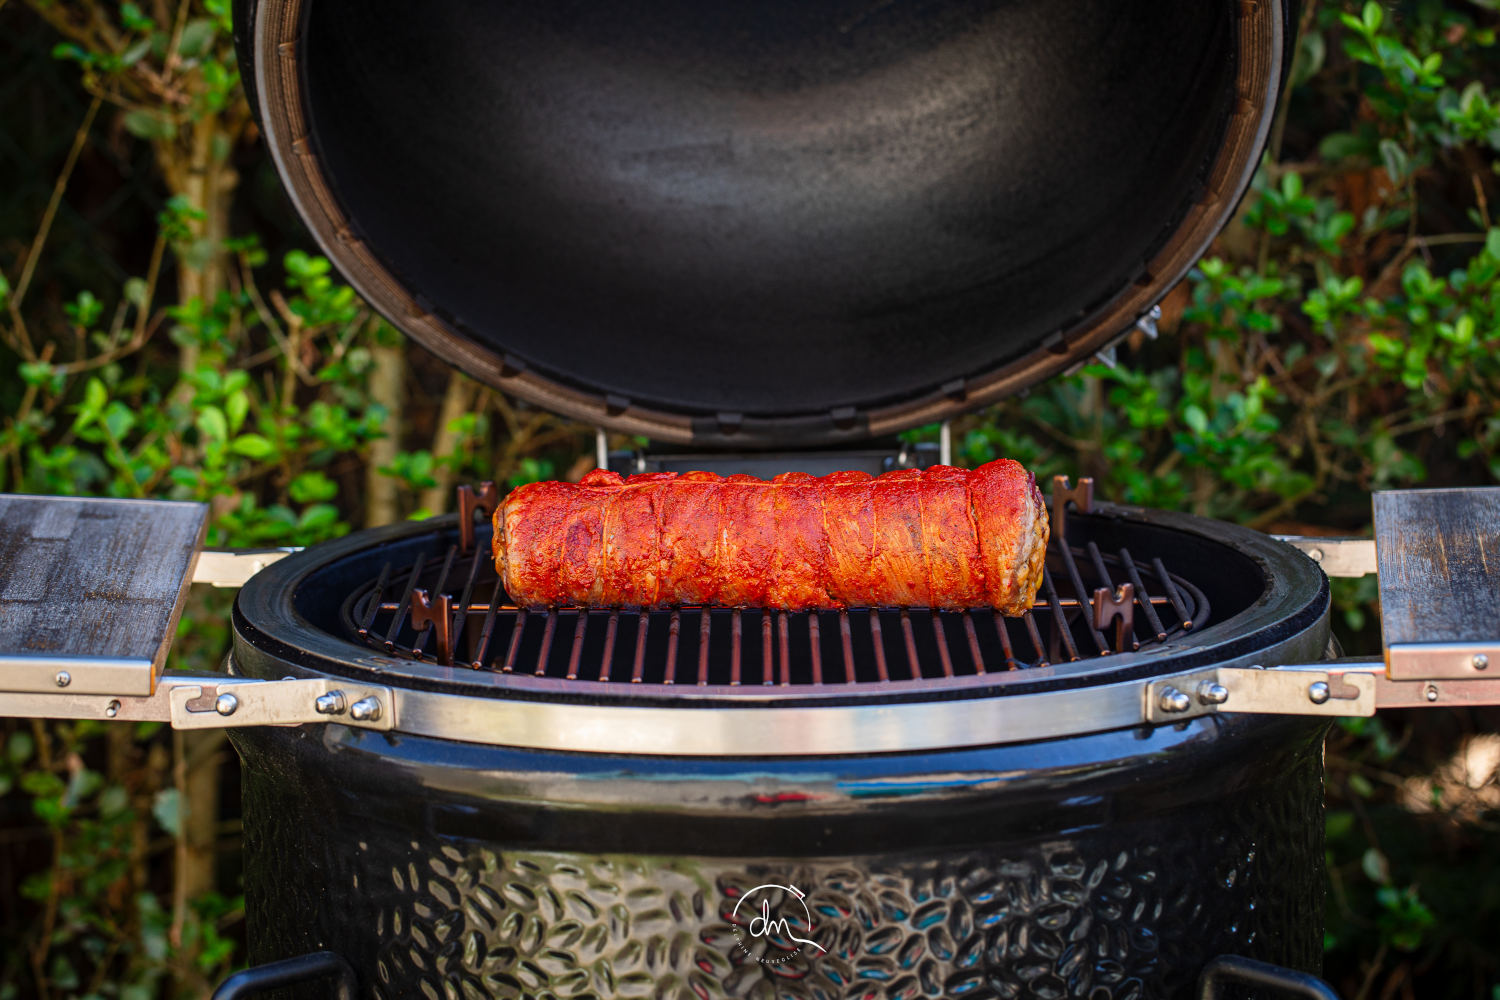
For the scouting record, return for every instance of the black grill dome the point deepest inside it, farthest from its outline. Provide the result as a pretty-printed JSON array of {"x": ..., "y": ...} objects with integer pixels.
[{"x": 771, "y": 223}]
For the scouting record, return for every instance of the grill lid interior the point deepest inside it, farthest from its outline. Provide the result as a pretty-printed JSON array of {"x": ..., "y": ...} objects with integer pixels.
[{"x": 750, "y": 225}]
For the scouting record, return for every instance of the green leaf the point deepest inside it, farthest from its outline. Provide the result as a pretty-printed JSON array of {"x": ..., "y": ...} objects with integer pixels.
[
  {"x": 118, "y": 420},
  {"x": 135, "y": 291},
  {"x": 149, "y": 125},
  {"x": 235, "y": 408},
  {"x": 113, "y": 801},
  {"x": 134, "y": 19},
  {"x": 1341, "y": 146},
  {"x": 1312, "y": 49},
  {"x": 36, "y": 373},
  {"x": 19, "y": 747},
  {"x": 1397, "y": 162},
  {"x": 94, "y": 398},
  {"x": 136, "y": 52},
  {"x": 1375, "y": 866},
  {"x": 253, "y": 446},
  {"x": 197, "y": 36},
  {"x": 312, "y": 486},
  {"x": 318, "y": 516},
  {"x": 212, "y": 425},
  {"x": 1195, "y": 418},
  {"x": 167, "y": 808},
  {"x": 1372, "y": 16}
]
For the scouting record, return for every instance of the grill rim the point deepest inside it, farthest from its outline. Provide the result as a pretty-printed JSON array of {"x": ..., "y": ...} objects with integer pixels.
[{"x": 271, "y": 635}]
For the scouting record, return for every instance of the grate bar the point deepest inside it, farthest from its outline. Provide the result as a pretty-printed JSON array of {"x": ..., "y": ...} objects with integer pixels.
[
  {"x": 973, "y": 638},
  {"x": 402, "y": 605},
  {"x": 486, "y": 630},
  {"x": 736, "y": 635},
  {"x": 1172, "y": 595},
  {"x": 705, "y": 638},
  {"x": 881, "y": 669},
  {"x": 461, "y": 617},
  {"x": 546, "y": 650},
  {"x": 814, "y": 641},
  {"x": 846, "y": 637},
  {"x": 674, "y": 633},
  {"x": 913, "y": 665},
  {"x": 1076, "y": 579},
  {"x": 607, "y": 657},
  {"x": 942, "y": 643},
  {"x": 577, "y": 649},
  {"x": 1036, "y": 639},
  {"x": 420, "y": 645},
  {"x": 515, "y": 642},
  {"x": 1004, "y": 633},
  {"x": 767, "y": 677},
  {"x": 1059, "y": 618},
  {"x": 381, "y": 582},
  {"x": 642, "y": 627},
  {"x": 784, "y": 637},
  {"x": 1142, "y": 597}
]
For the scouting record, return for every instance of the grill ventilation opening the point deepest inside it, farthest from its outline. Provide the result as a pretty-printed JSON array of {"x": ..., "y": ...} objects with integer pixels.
[{"x": 449, "y": 608}]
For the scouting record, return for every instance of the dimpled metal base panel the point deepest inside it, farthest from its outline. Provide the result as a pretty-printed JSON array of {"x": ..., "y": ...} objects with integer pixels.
[{"x": 1113, "y": 866}]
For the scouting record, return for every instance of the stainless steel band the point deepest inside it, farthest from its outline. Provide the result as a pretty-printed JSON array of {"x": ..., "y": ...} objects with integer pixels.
[{"x": 754, "y": 730}]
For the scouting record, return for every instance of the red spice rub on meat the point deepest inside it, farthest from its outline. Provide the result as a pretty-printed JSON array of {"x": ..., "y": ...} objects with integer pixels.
[{"x": 940, "y": 537}]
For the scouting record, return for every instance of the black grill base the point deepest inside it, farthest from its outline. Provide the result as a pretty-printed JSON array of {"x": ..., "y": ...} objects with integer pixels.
[{"x": 1106, "y": 866}]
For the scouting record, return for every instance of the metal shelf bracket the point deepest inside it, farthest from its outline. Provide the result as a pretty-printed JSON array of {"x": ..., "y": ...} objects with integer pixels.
[{"x": 219, "y": 701}]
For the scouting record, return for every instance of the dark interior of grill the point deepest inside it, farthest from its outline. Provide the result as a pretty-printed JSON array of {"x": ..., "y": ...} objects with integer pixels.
[{"x": 804, "y": 206}]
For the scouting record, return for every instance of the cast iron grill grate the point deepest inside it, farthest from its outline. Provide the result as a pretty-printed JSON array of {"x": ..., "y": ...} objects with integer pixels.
[{"x": 450, "y": 609}]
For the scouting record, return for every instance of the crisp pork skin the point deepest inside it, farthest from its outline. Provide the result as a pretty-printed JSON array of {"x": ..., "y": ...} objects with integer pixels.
[{"x": 940, "y": 537}]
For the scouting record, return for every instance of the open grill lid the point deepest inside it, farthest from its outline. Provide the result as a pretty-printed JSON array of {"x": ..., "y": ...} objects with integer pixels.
[{"x": 764, "y": 225}]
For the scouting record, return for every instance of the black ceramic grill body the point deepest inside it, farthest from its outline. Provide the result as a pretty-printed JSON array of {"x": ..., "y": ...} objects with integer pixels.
[
  {"x": 1106, "y": 866},
  {"x": 1103, "y": 864},
  {"x": 781, "y": 224}
]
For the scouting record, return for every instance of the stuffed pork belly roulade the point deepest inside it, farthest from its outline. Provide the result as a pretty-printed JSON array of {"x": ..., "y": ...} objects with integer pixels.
[{"x": 940, "y": 537}]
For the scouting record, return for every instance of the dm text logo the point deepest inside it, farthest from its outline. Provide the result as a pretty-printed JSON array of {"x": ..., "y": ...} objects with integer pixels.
[{"x": 772, "y": 911}]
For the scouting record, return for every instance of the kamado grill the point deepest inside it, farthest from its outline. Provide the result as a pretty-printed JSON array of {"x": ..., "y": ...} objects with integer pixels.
[{"x": 765, "y": 237}]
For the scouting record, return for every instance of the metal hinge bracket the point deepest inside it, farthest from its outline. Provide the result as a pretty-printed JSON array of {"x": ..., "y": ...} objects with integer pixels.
[
  {"x": 1345, "y": 557},
  {"x": 233, "y": 567},
  {"x": 200, "y": 704},
  {"x": 219, "y": 701},
  {"x": 1281, "y": 691},
  {"x": 1337, "y": 688}
]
